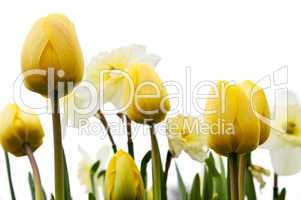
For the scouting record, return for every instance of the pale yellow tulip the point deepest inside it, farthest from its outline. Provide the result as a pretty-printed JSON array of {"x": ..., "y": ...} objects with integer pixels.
[{"x": 52, "y": 44}]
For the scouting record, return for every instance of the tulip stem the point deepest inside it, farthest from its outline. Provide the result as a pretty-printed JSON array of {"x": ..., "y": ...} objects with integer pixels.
[
  {"x": 129, "y": 134},
  {"x": 167, "y": 164},
  {"x": 275, "y": 188},
  {"x": 10, "y": 182},
  {"x": 241, "y": 175},
  {"x": 103, "y": 120},
  {"x": 35, "y": 172},
  {"x": 157, "y": 172},
  {"x": 233, "y": 170},
  {"x": 58, "y": 149}
]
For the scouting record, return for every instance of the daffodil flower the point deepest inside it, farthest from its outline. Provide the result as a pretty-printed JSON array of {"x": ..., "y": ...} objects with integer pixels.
[
  {"x": 183, "y": 133},
  {"x": 284, "y": 143},
  {"x": 106, "y": 74},
  {"x": 111, "y": 64},
  {"x": 85, "y": 166}
]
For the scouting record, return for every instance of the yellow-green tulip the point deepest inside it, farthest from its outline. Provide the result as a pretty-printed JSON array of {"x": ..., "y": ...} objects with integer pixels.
[
  {"x": 19, "y": 128},
  {"x": 52, "y": 43},
  {"x": 235, "y": 118},
  {"x": 146, "y": 95},
  {"x": 123, "y": 180}
]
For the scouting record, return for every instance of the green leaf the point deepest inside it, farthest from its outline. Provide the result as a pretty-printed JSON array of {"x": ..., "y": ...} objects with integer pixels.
[
  {"x": 195, "y": 193},
  {"x": 101, "y": 173},
  {"x": 94, "y": 167},
  {"x": 159, "y": 190},
  {"x": 249, "y": 183},
  {"x": 143, "y": 169},
  {"x": 10, "y": 181},
  {"x": 67, "y": 190},
  {"x": 181, "y": 185},
  {"x": 210, "y": 162},
  {"x": 31, "y": 186},
  {"x": 282, "y": 194},
  {"x": 93, "y": 170},
  {"x": 91, "y": 196},
  {"x": 207, "y": 185},
  {"x": 217, "y": 182}
]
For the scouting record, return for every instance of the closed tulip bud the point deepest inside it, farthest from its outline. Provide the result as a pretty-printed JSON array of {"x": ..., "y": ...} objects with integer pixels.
[
  {"x": 146, "y": 95},
  {"x": 237, "y": 118},
  {"x": 19, "y": 128},
  {"x": 123, "y": 180},
  {"x": 52, "y": 44}
]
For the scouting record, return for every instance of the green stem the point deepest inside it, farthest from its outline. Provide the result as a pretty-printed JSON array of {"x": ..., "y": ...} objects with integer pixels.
[
  {"x": 103, "y": 120},
  {"x": 58, "y": 150},
  {"x": 36, "y": 174},
  {"x": 129, "y": 134},
  {"x": 167, "y": 164},
  {"x": 275, "y": 188},
  {"x": 93, "y": 184},
  {"x": 233, "y": 170},
  {"x": 156, "y": 167},
  {"x": 11, "y": 187},
  {"x": 241, "y": 175}
]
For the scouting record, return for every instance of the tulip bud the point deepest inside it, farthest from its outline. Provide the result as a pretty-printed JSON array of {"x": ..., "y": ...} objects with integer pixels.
[
  {"x": 123, "y": 180},
  {"x": 19, "y": 128},
  {"x": 52, "y": 44},
  {"x": 146, "y": 95},
  {"x": 235, "y": 121}
]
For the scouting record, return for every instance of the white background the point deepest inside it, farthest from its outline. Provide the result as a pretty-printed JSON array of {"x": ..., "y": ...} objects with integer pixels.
[{"x": 233, "y": 40}]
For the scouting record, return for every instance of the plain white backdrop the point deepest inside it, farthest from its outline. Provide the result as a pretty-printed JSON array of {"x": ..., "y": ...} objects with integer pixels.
[{"x": 233, "y": 40}]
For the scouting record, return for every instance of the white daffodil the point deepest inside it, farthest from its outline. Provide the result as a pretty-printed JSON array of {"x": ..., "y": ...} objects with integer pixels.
[
  {"x": 104, "y": 82},
  {"x": 85, "y": 166},
  {"x": 106, "y": 70},
  {"x": 184, "y": 134},
  {"x": 284, "y": 143}
]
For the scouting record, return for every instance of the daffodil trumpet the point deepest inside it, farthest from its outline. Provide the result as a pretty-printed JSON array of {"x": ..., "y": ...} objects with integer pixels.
[{"x": 35, "y": 171}]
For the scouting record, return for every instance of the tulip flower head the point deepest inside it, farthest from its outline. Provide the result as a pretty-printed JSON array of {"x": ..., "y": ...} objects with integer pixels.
[
  {"x": 146, "y": 98},
  {"x": 284, "y": 144},
  {"x": 51, "y": 53},
  {"x": 234, "y": 117},
  {"x": 123, "y": 180},
  {"x": 19, "y": 128},
  {"x": 184, "y": 134}
]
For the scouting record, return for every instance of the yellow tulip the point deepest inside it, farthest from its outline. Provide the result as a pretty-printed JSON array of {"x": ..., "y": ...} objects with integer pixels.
[
  {"x": 184, "y": 134},
  {"x": 123, "y": 180},
  {"x": 235, "y": 121},
  {"x": 145, "y": 95},
  {"x": 19, "y": 128},
  {"x": 52, "y": 43}
]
